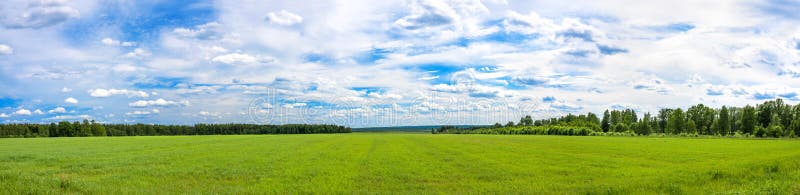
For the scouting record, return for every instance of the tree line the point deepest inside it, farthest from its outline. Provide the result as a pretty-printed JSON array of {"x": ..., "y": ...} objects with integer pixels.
[
  {"x": 772, "y": 118},
  {"x": 91, "y": 128}
]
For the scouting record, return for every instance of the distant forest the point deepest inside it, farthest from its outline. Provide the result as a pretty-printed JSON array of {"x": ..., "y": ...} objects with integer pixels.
[
  {"x": 90, "y": 128},
  {"x": 770, "y": 119}
]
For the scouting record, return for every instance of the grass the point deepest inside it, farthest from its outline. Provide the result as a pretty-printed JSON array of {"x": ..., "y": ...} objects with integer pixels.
[{"x": 398, "y": 163}]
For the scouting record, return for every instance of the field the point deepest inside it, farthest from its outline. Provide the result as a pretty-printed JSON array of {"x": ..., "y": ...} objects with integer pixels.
[{"x": 398, "y": 163}]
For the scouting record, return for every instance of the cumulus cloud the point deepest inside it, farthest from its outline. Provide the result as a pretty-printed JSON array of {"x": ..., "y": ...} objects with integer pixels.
[
  {"x": 569, "y": 51},
  {"x": 143, "y": 112},
  {"x": 529, "y": 23},
  {"x": 473, "y": 90},
  {"x": 112, "y": 42},
  {"x": 158, "y": 102},
  {"x": 430, "y": 14},
  {"x": 65, "y": 90},
  {"x": 23, "y": 112},
  {"x": 385, "y": 96},
  {"x": 71, "y": 100},
  {"x": 6, "y": 50},
  {"x": 137, "y": 53},
  {"x": 655, "y": 85},
  {"x": 4, "y": 115},
  {"x": 37, "y": 111},
  {"x": 294, "y": 105},
  {"x": 564, "y": 106},
  {"x": 208, "y": 31},
  {"x": 39, "y": 14},
  {"x": 284, "y": 17},
  {"x": 70, "y": 117},
  {"x": 111, "y": 92},
  {"x": 238, "y": 58},
  {"x": 427, "y": 14},
  {"x": 57, "y": 110}
]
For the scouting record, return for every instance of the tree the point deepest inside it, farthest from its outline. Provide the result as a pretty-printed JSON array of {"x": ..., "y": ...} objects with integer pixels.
[
  {"x": 497, "y": 125},
  {"x": 723, "y": 122},
  {"x": 53, "y": 130},
  {"x": 605, "y": 123},
  {"x": 643, "y": 127},
  {"x": 97, "y": 129},
  {"x": 691, "y": 127},
  {"x": 615, "y": 117},
  {"x": 621, "y": 127},
  {"x": 703, "y": 117},
  {"x": 775, "y": 128},
  {"x": 676, "y": 122},
  {"x": 510, "y": 124},
  {"x": 592, "y": 118},
  {"x": 663, "y": 116},
  {"x": 526, "y": 121},
  {"x": 766, "y": 110},
  {"x": 748, "y": 125}
]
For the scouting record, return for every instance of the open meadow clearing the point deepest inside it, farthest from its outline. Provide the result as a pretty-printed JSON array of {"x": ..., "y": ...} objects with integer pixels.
[{"x": 398, "y": 163}]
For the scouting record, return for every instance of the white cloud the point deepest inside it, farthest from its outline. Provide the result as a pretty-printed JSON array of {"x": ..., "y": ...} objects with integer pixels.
[
  {"x": 237, "y": 58},
  {"x": 125, "y": 68},
  {"x": 4, "y": 115},
  {"x": 137, "y": 53},
  {"x": 22, "y": 112},
  {"x": 284, "y": 17},
  {"x": 294, "y": 105},
  {"x": 143, "y": 112},
  {"x": 206, "y": 113},
  {"x": 70, "y": 117},
  {"x": 208, "y": 31},
  {"x": 40, "y": 14},
  {"x": 112, "y": 42},
  {"x": 158, "y": 102},
  {"x": 517, "y": 51},
  {"x": 385, "y": 96},
  {"x": 65, "y": 90},
  {"x": 71, "y": 100},
  {"x": 57, "y": 110},
  {"x": 37, "y": 111},
  {"x": 111, "y": 92},
  {"x": 6, "y": 50},
  {"x": 428, "y": 14}
]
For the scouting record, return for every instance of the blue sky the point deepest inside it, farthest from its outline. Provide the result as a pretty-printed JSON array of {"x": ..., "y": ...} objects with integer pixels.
[{"x": 386, "y": 63}]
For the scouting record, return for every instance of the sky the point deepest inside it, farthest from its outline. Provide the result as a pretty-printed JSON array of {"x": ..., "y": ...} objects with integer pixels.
[{"x": 365, "y": 63}]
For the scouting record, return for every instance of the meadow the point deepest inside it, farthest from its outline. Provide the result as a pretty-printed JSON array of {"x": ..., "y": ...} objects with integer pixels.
[{"x": 398, "y": 163}]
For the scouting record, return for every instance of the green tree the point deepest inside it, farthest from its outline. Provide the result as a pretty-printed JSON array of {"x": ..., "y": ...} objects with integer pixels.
[
  {"x": 749, "y": 122},
  {"x": 723, "y": 122},
  {"x": 592, "y": 118},
  {"x": 605, "y": 124},
  {"x": 663, "y": 116},
  {"x": 703, "y": 117},
  {"x": 766, "y": 111},
  {"x": 676, "y": 122},
  {"x": 775, "y": 128},
  {"x": 526, "y": 121},
  {"x": 643, "y": 127},
  {"x": 691, "y": 127}
]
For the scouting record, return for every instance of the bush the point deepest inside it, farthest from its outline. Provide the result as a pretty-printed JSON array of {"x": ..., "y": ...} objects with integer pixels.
[
  {"x": 760, "y": 131},
  {"x": 775, "y": 131}
]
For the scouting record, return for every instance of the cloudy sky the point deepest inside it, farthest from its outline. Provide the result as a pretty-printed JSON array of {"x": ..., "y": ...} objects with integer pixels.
[{"x": 385, "y": 63}]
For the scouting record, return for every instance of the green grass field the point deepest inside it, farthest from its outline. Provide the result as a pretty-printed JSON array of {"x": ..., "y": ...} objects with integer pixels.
[{"x": 398, "y": 163}]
